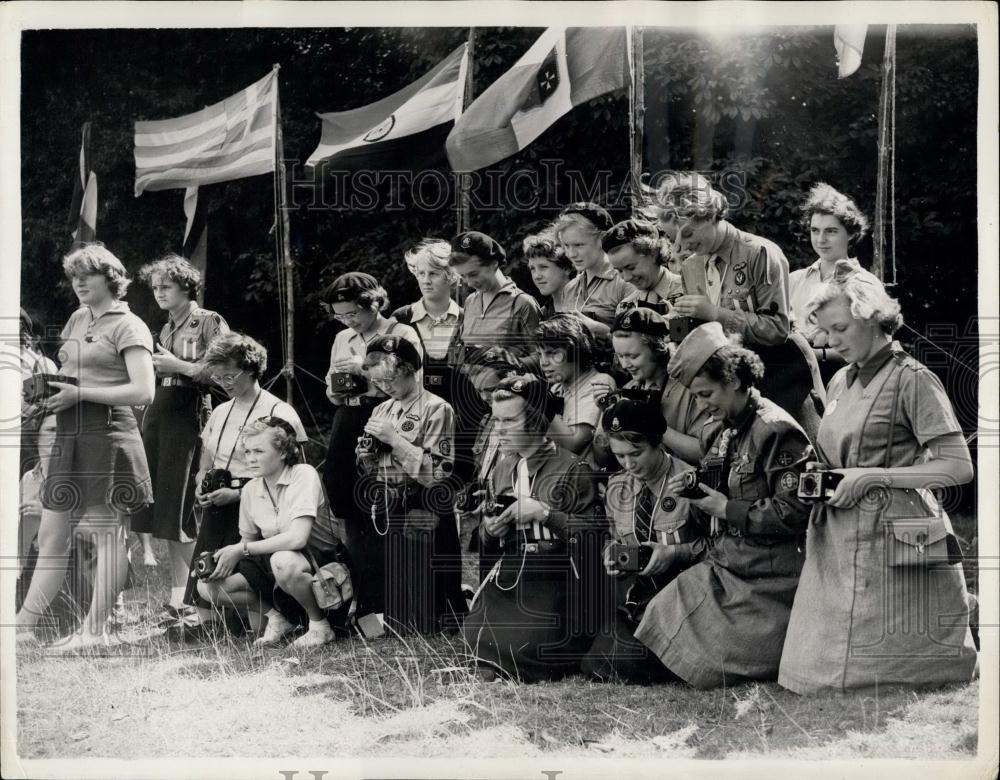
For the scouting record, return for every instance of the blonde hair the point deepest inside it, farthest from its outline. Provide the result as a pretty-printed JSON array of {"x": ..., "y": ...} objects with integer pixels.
[
  {"x": 432, "y": 253},
  {"x": 690, "y": 196},
  {"x": 95, "y": 258},
  {"x": 865, "y": 294},
  {"x": 565, "y": 221}
]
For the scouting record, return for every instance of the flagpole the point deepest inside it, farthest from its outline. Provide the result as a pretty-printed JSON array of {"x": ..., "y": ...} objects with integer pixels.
[
  {"x": 637, "y": 115},
  {"x": 885, "y": 183},
  {"x": 284, "y": 248},
  {"x": 464, "y": 202}
]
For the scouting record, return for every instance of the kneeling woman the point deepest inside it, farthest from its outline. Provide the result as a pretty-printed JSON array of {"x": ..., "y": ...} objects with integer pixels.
[
  {"x": 724, "y": 619},
  {"x": 406, "y": 451},
  {"x": 533, "y": 614},
  {"x": 653, "y": 522},
  {"x": 286, "y": 532}
]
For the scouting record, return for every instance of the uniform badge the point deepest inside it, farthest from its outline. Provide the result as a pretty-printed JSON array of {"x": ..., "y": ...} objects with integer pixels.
[
  {"x": 194, "y": 323},
  {"x": 517, "y": 386},
  {"x": 785, "y": 459},
  {"x": 491, "y": 355},
  {"x": 466, "y": 242},
  {"x": 621, "y": 232},
  {"x": 445, "y": 447},
  {"x": 627, "y": 321},
  {"x": 616, "y": 425},
  {"x": 389, "y": 345},
  {"x": 789, "y": 480},
  {"x": 740, "y": 266},
  {"x": 669, "y": 504},
  {"x": 407, "y": 426},
  {"x": 741, "y": 278}
]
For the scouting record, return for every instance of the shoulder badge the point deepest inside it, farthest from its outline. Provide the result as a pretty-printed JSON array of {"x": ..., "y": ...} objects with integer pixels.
[
  {"x": 194, "y": 323},
  {"x": 785, "y": 458},
  {"x": 445, "y": 447},
  {"x": 407, "y": 426},
  {"x": 668, "y": 504},
  {"x": 789, "y": 480}
]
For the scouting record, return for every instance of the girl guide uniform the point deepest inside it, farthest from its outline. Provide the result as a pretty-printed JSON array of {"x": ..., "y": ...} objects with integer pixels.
[
  {"x": 421, "y": 564},
  {"x": 641, "y": 511},
  {"x": 724, "y": 619}
]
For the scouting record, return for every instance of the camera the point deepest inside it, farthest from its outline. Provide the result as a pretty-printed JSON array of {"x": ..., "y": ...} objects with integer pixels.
[
  {"x": 629, "y": 394},
  {"x": 631, "y": 558},
  {"x": 494, "y": 505},
  {"x": 370, "y": 445},
  {"x": 217, "y": 479},
  {"x": 660, "y": 307},
  {"x": 554, "y": 404},
  {"x": 37, "y": 388},
  {"x": 343, "y": 382},
  {"x": 203, "y": 565},
  {"x": 709, "y": 473},
  {"x": 681, "y": 326},
  {"x": 467, "y": 498},
  {"x": 817, "y": 483}
]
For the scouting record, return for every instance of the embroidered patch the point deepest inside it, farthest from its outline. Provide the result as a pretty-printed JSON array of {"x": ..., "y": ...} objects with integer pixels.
[
  {"x": 466, "y": 242},
  {"x": 408, "y": 426},
  {"x": 517, "y": 386},
  {"x": 669, "y": 504},
  {"x": 740, "y": 266},
  {"x": 789, "y": 480},
  {"x": 411, "y": 416},
  {"x": 389, "y": 344},
  {"x": 194, "y": 324},
  {"x": 785, "y": 459},
  {"x": 627, "y": 322},
  {"x": 616, "y": 425},
  {"x": 741, "y": 278},
  {"x": 445, "y": 447}
]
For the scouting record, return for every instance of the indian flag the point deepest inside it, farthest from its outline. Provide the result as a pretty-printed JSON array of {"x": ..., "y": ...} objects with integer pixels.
[
  {"x": 231, "y": 139},
  {"x": 565, "y": 67},
  {"x": 403, "y": 128}
]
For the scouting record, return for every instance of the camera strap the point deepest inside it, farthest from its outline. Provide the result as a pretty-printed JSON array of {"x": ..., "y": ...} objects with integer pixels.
[{"x": 218, "y": 440}]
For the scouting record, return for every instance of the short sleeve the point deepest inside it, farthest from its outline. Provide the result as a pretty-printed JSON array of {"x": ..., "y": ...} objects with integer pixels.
[
  {"x": 304, "y": 493},
  {"x": 247, "y": 526},
  {"x": 926, "y": 406},
  {"x": 132, "y": 332}
]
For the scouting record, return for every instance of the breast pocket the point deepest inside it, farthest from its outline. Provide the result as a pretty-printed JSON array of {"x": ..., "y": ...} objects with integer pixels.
[{"x": 745, "y": 481}]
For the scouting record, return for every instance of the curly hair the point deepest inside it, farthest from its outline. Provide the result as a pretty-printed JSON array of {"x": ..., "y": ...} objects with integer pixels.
[
  {"x": 545, "y": 246},
  {"x": 245, "y": 352},
  {"x": 660, "y": 347},
  {"x": 690, "y": 195},
  {"x": 567, "y": 332},
  {"x": 865, "y": 294},
  {"x": 432, "y": 253},
  {"x": 176, "y": 269},
  {"x": 824, "y": 199},
  {"x": 656, "y": 248},
  {"x": 283, "y": 437},
  {"x": 734, "y": 363},
  {"x": 361, "y": 289},
  {"x": 391, "y": 362},
  {"x": 95, "y": 258}
]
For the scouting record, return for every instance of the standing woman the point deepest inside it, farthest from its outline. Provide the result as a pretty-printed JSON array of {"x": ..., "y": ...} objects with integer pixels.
[
  {"x": 407, "y": 452},
  {"x": 597, "y": 289},
  {"x": 550, "y": 269},
  {"x": 171, "y": 427},
  {"x": 891, "y": 433},
  {"x": 835, "y": 226},
  {"x": 724, "y": 619},
  {"x": 98, "y": 473},
  {"x": 356, "y": 300},
  {"x": 497, "y": 312},
  {"x": 236, "y": 363}
]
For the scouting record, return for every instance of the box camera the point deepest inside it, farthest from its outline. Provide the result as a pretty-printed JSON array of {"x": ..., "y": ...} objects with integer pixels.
[
  {"x": 681, "y": 326},
  {"x": 631, "y": 558},
  {"x": 816, "y": 483},
  {"x": 660, "y": 307},
  {"x": 495, "y": 505},
  {"x": 217, "y": 479},
  {"x": 629, "y": 394},
  {"x": 467, "y": 498},
  {"x": 203, "y": 565},
  {"x": 37, "y": 388},
  {"x": 343, "y": 382},
  {"x": 709, "y": 473},
  {"x": 372, "y": 446}
]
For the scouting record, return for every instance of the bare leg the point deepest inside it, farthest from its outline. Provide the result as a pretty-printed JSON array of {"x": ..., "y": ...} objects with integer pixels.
[
  {"x": 50, "y": 570},
  {"x": 105, "y": 529},
  {"x": 294, "y": 576},
  {"x": 180, "y": 560},
  {"x": 148, "y": 555},
  {"x": 234, "y": 592}
]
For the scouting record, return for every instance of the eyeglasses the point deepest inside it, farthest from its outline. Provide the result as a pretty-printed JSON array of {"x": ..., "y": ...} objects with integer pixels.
[
  {"x": 343, "y": 317},
  {"x": 227, "y": 379}
]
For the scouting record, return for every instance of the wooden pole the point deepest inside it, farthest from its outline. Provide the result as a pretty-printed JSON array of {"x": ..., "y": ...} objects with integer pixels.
[
  {"x": 885, "y": 152},
  {"x": 464, "y": 202},
  {"x": 284, "y": 251},
  {"x": 637, "y": 115}
]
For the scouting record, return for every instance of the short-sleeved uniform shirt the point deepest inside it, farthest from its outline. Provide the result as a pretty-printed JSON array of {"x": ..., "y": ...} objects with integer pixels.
[
  {"x": 299, "y": 493},
  {"x": 221, "y": 435},
  {"x": 595, "y": 294},
  {"x": 579, "y": 406},
  {"x": 508, "y": 320},
  {"x": 91, "y": 350},
  {"x": 348, "y": 343},
  {"x": 668, "y": 287},
  {"x": 753, "y": 275},
  {"x": 802, "y": 286},
  {"x": 188, "y": 335},
  {"x": 670, "y": 512},
  {"x": 436, "y": 333}
]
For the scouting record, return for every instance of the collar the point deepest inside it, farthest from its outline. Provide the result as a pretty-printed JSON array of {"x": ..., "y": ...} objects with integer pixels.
[
  {"x": 118, "y": 307},
  {"x": 186, "y": 312},
  {"x": 867, "y": 372},
  {"x": 604, "y": 271},
  {"x": 814, "y": 269},
  {"x": 538, "y": 458},
  {"x": 727, "y": 237},
  {"x": 580, "y": 380},
  {"x": 284, "y": 479},
  {"x": 664, "y": 283},
  {"x": 657, "y": 484},
  {"x": 419, "y": 311},
  {"x": 751, "y": 408}
]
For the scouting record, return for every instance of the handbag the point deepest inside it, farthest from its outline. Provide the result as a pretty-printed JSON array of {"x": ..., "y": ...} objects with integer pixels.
[{"x": 331, "y": 583}]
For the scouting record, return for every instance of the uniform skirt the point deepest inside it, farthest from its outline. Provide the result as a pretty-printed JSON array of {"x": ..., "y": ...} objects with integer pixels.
[
  {"x": 171, "y": 435},
  {"x": 218, "y": 527},
  {"x": 97, "y": 459}
]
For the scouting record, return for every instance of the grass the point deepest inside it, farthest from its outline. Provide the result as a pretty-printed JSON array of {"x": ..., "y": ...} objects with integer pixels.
[{"x": 414, "y": 697}]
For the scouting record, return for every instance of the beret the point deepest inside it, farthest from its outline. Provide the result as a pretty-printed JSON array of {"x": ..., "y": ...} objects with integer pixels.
[
  {"x": 697, "y": 347},
  {"x": 596, "y": 214},
  {"x": 623, "y": 233},
  {"x": 479, "y": 245},
  {"x": 502, "y": 360},
  {"x": 394, "y": 345},
  {"x": 641, "y": 320},
  {"x": 347, "y": 287},
  {"x": 530, "y": 388},
  {"x": 628, "y": 416}
]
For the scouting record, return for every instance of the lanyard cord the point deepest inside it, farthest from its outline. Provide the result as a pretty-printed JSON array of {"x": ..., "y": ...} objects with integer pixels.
[
  {"x": 173, "y": 331},
  {"x": 652, "y": 514},
  {"x": 590, "y": 293},
  {"x": 218, "y": 440}
]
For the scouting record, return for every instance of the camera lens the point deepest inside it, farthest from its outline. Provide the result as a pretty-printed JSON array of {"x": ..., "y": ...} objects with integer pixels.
[
  {"x": 809, "y": 485},
  {"x": 623, "y": 559}
]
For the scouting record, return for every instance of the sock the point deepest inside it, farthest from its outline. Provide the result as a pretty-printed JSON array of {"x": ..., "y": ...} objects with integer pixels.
[
  {"x": 273, "y": 613},
  {"x": 319, "y": 625},
  {"x": 177, "y": 597}
]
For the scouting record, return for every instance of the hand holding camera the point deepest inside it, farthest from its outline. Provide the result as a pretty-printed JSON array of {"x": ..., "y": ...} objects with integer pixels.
[
  {"x": 621, "y": 559},
  {"x": 496, "y": 520},
  {"x": 217, "y": 564},
  {"x": 817, "y": 483}
]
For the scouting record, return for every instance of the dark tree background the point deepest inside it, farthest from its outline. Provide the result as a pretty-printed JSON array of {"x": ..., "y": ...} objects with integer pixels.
[{"x": 767, "y": 107}]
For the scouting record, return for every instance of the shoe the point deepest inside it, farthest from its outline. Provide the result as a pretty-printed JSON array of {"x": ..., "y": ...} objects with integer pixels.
[
  {"x": 318, "y": 634},
  {"x": 277, "y": 628}
]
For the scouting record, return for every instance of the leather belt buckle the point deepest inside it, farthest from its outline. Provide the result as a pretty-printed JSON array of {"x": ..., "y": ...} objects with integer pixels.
[
  {"x": 433, "y": 380},
  {"x": 175, "y": 381},
  {"x": 354, "y": 400},
  {"x": 531, "y": 547}
]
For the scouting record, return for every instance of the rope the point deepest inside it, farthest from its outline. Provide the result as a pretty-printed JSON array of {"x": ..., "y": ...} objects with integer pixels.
[{"x": 892, "y": 157}]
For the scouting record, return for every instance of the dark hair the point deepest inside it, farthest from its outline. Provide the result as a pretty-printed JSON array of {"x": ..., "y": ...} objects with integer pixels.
[
  {"x": 176, "y": 269},
  {"x": 656, "y": 248},
  {"x": 566, "y": 331},
  {"x": 242, "y": 350},
  {"x": 544, "y": 246},
  {"x": 533, "y": 392},
  {"x": 359, "y": 288},
  {"x": 637, "y": 438},
  {"x": 734, "y": 363},
  {"x": 824, "y": 199}
]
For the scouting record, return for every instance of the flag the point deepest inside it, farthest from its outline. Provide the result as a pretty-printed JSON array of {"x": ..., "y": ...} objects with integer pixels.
[
  {"x": 564, "y": 68},
  {"x": 404, "y": 127},
  {"x": 849, "y": 41},
  {"x": 83, "y": 211},
  {"x": 231, "y": 139},
  {"x": 196, "y": 234}
]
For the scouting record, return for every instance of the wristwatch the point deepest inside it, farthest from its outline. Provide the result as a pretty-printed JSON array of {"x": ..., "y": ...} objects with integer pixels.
[{"x": 246, "y": 550}]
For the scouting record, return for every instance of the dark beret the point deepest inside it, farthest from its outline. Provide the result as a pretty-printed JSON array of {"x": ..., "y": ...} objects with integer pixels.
[
  {"x": 641, "y": 320},
  {"x": 347, "y": 287},
  {"x": 394, "y": 345},
  {"x": 503, "y": 361},
  {"x": 623, "y": 233},
  {"x": 596, "y": 214},
  {"x": 628, "y": 416},
  {"x": 479, "y": 245}
]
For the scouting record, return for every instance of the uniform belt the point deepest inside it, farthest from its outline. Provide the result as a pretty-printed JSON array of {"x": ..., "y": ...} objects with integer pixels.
[
  {"x": 176, "y": 381},
  {"x": 363, "y": 400},
  {"x": 433, "y": 380},
  {"x": 543, "y": 546}
]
